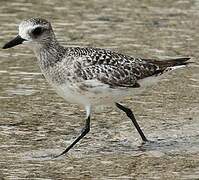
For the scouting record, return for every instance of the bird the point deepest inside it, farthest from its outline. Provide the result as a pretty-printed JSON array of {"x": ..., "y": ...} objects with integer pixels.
[{"x": 89, "y": 76}]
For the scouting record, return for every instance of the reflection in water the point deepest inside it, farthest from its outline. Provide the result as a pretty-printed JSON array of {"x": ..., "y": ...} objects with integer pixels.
[{"x": 36, "y": 124}]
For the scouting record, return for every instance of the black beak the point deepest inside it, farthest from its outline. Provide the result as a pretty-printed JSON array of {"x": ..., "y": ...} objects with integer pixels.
[{"x": 14, "y": 42}]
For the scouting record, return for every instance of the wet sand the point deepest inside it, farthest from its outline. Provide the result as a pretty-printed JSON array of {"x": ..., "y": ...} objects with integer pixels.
[{"x": 35, "y": 123}]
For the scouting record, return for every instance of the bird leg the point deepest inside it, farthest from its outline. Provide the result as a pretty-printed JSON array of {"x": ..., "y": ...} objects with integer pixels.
[
  {"x": 130, "y": 114},
  {"x": 84, "y": 131}
]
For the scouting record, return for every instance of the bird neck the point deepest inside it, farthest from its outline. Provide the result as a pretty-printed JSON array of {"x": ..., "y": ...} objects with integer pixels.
[{"x": 49, "y": 54}]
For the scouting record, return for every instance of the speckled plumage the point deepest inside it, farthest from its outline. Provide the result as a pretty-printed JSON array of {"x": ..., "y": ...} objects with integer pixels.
[
  {"x": 111, "y": 68},
  {"x": 108, "y": 67},
  {"x": 90, "y": 76},
  {"x": 95, "y": 75}
]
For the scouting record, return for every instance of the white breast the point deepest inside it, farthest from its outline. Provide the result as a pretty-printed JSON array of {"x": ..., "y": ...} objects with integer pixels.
[{"x": 70, "y": 94}]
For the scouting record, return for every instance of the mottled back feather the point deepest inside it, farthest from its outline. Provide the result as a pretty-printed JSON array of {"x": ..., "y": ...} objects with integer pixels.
[{"x": 117, "y": 69}]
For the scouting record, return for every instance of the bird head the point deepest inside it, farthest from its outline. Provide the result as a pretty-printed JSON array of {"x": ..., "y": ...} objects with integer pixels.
[{"x": 34, "y": 32}]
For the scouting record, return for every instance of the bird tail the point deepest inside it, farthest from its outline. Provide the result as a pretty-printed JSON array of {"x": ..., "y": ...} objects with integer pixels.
[{"x": 169, "y": 65}]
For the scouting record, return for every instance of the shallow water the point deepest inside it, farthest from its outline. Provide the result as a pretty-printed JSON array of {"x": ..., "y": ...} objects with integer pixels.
[{"x": 35, "y": 123}]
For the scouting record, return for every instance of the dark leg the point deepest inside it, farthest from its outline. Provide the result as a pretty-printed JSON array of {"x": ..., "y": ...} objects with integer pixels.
[
  {"x": 130, "y": 114},
  {"x": 85, "y": 130}
]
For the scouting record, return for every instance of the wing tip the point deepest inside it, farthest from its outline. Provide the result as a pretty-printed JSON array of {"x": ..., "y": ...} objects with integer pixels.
[{"x": 172, "y": 62}]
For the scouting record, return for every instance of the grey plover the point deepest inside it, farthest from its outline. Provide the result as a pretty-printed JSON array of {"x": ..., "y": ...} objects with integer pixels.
[{"x": 90, "y": 76}]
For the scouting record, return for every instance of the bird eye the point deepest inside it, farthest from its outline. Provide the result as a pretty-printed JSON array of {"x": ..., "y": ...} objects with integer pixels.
[{"x": 37, "y": 31}]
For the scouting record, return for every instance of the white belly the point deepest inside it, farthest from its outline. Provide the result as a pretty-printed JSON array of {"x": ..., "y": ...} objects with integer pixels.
[
  {"x": 71, "y": 94},
  {"x": 94, "y": 92},
  {"x": 97, "y": 94}
]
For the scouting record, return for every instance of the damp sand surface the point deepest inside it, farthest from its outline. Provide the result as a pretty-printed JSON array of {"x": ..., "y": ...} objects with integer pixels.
[{"x": 36, "y": 124}]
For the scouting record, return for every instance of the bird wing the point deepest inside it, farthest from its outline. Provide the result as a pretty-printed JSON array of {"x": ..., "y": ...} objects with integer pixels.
[{"x": 111, "y": 68}]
